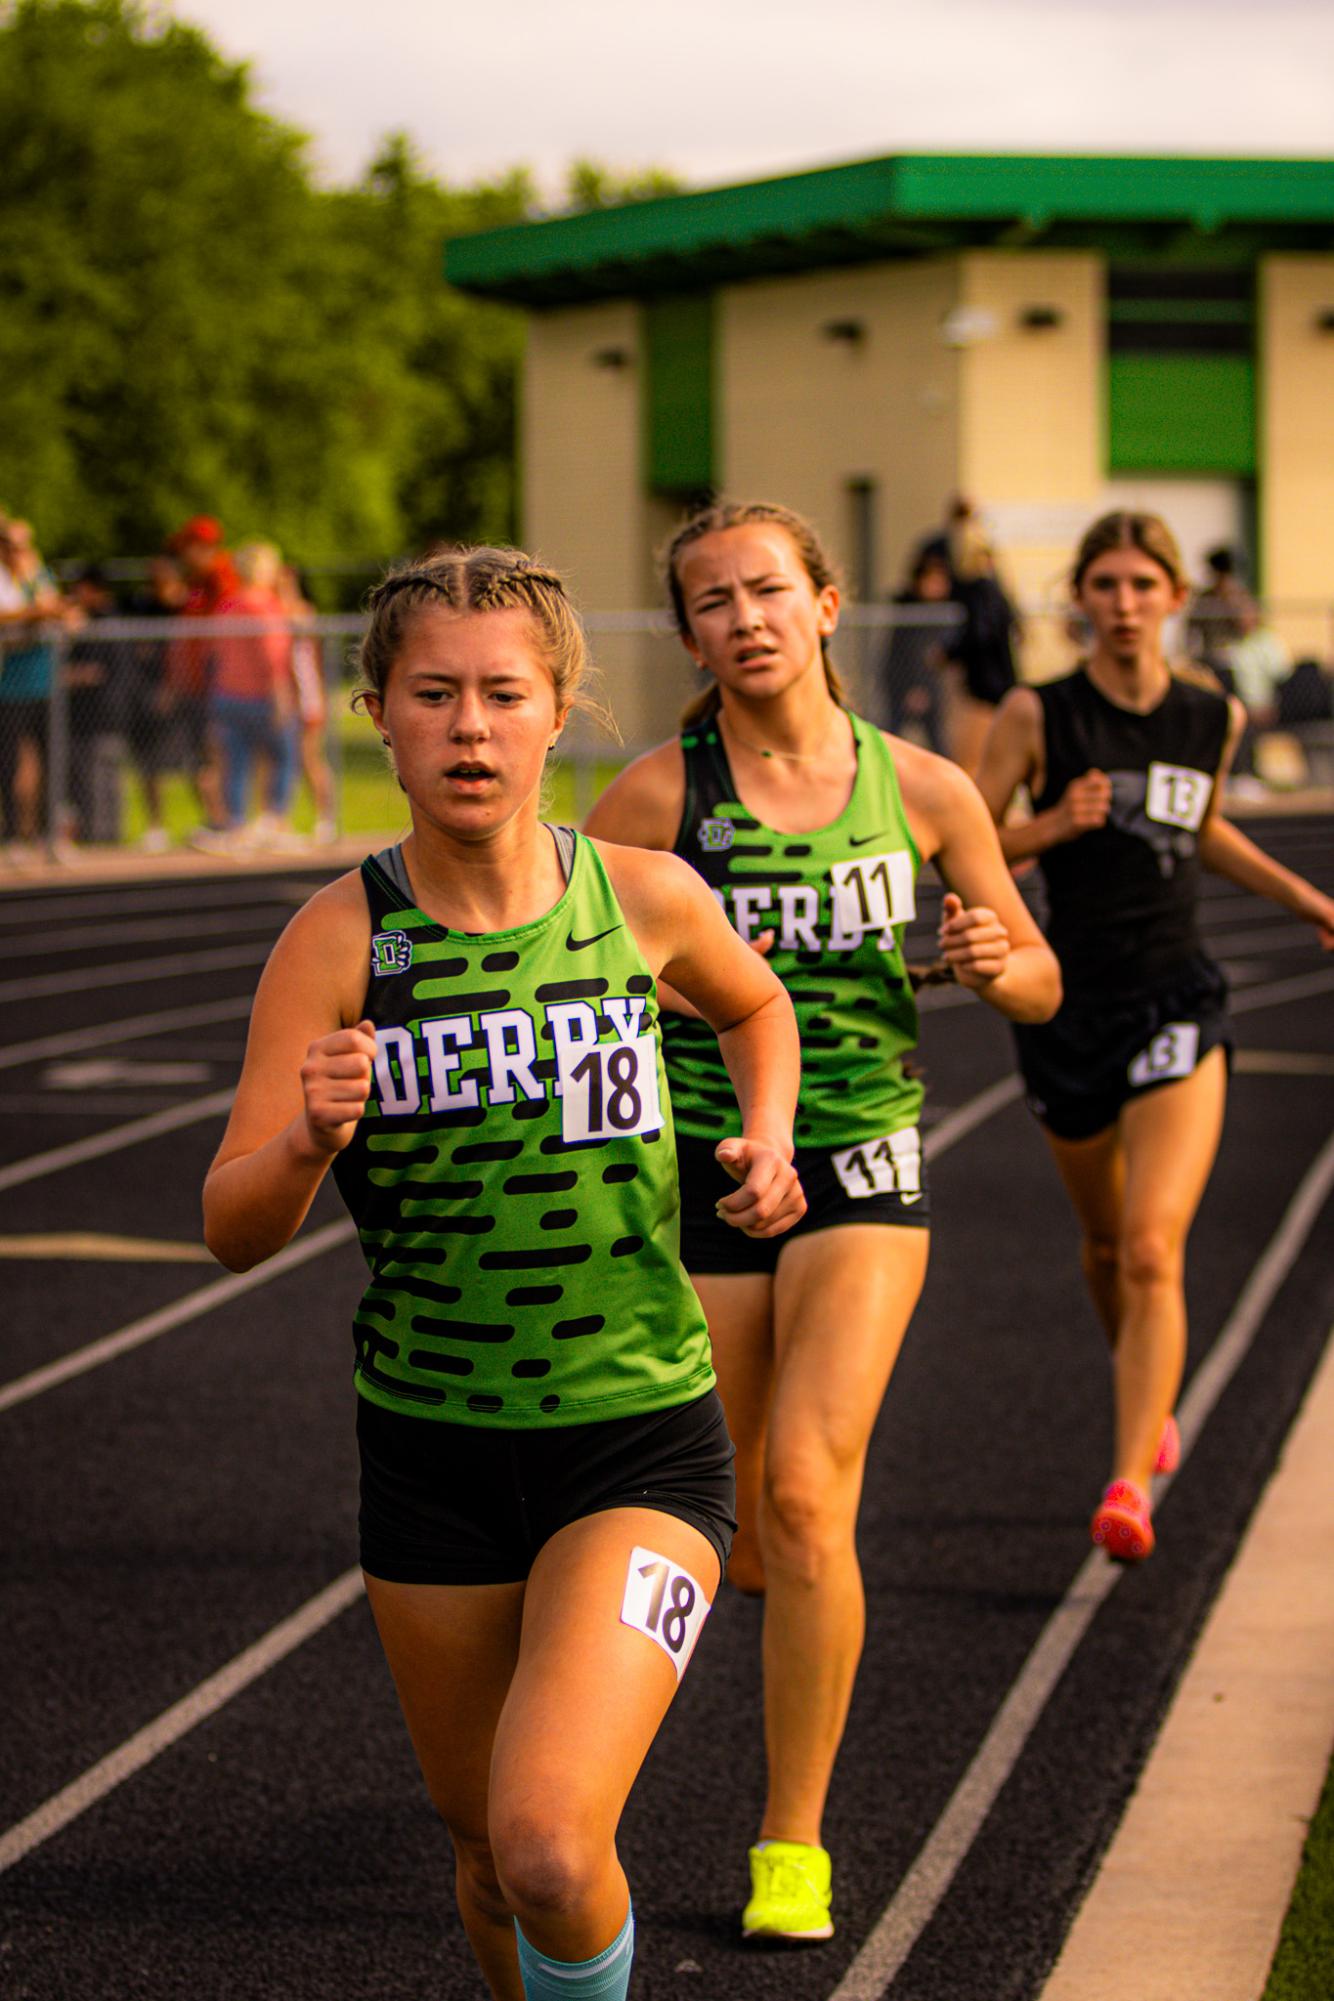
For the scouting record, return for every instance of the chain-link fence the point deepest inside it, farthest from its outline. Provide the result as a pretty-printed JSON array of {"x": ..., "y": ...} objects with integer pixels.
[{"x": 233, "y": 734}]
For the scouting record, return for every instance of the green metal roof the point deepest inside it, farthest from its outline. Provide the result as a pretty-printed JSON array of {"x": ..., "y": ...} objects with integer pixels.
[{"x": 903, "y": 205}]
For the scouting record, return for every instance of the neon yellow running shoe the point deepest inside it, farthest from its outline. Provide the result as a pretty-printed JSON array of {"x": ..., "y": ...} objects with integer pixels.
[{"x": 789, "y": 1893}]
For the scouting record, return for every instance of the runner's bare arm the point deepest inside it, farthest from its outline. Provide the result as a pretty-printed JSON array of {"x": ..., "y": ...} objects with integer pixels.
[
  {"x": 642, "y": 806},
  {"x": 1014, "y": 754},
  {"x": 987, "y": 933},
  {"x": 304, "y": 1083},
  {"x": 1228, "y": 852},
  {"x": 688, "y": 941}
]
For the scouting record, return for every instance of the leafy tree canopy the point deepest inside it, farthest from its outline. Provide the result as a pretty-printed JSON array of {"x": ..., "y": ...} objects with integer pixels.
[{"x": 189, "y": 323}]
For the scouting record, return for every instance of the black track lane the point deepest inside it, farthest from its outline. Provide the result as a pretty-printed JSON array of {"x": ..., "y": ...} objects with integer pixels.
[{"x": 176, "y": 1503}]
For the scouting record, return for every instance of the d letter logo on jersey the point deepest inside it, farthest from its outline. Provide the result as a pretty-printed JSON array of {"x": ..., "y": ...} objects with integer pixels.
[
  {"x": 716, "y": 836},
  {"x": 391, "y": 952}
]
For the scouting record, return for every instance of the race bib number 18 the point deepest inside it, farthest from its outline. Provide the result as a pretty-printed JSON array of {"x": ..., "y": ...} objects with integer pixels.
[
  {"x": 609, "y": 1090},
  {"x": 664, "y": 1602}
]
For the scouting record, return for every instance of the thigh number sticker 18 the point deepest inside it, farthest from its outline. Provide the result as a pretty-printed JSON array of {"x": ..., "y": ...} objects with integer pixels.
[
  {"x": 891, "y": 1166},
  {"x": 666, "y": 1603}
]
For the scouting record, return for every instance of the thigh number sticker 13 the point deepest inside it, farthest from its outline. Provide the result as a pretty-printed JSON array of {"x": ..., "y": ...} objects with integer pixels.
[{"x": 664, "y": 1602}]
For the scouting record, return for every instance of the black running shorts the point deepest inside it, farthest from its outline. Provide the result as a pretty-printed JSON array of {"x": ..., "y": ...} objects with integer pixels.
[
  {"x": 465, "y": 1504},
  {"x": 883, "y": 1181},
  {"x": 1081, "y": 1067}
]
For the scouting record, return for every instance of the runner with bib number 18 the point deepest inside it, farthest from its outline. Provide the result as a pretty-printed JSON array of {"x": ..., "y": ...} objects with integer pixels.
[
  {"x": 465, "y": 1032},
  {"x": 810, "y": 827},
  {"x": 1124, "y": 763}
]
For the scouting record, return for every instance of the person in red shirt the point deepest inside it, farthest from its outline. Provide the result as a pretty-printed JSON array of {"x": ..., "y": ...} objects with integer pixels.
[{"x": 210, "y": 576}]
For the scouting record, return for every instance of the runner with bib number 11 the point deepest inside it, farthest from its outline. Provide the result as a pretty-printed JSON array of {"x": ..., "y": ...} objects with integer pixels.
[
  {"x": 1124, "y": 763},
  {"x": 810, "y": 826}
]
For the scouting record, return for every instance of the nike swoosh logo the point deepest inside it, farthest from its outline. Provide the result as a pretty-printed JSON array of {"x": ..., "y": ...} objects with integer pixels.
[
  {"x": 861, "y": 840},
  {"x": 908, "y": 1200},
  {"x": 574, "y": 944}
]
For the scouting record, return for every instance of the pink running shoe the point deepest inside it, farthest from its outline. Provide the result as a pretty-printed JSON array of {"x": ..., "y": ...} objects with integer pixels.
[
  {"x": 1169, "y": 1449},
  {"x": 1121, "y": 1523}
]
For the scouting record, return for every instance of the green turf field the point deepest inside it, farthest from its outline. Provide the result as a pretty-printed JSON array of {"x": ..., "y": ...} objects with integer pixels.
[
  {"x": 1303, "y": 1968},
  {"x": 371, "y": 800}
]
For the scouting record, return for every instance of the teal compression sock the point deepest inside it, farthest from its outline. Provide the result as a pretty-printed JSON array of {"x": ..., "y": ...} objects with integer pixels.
[{"x": 605, "y": 1978}]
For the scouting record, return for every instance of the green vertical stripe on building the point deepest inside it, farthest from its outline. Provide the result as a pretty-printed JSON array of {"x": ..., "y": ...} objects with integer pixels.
[
  {"x": 678, "y": 393},
  {"x": 1181, "y": 413}
]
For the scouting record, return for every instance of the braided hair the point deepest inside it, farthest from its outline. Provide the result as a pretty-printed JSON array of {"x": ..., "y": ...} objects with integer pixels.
[{"x": 468, "y": 580}]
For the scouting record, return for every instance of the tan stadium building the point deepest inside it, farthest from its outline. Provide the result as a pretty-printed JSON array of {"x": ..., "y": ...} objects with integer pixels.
[{"x": 1048, "y": 335}]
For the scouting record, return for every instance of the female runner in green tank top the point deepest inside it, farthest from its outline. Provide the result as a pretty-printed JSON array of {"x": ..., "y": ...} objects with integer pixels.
[
  {"x": 810, "y": 826},
  {"x": 465, "y": 1029}
]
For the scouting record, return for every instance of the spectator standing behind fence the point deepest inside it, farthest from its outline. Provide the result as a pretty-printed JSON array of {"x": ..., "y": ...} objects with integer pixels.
[
  {"x": 1215, "y": 614},
  {"x": 30, "y": 605},
  {"x": 146, "y": 701},
  {"x": 311, "y": 705},
  {"x": 1257, "y": 661},
  {"x": 252, "y": 700},
  {"x": 982, "y": 648},
  {"x": 911, "y": 669},
  {"x": 95, "y": 690},
  {"x": 210, "y": 576}
]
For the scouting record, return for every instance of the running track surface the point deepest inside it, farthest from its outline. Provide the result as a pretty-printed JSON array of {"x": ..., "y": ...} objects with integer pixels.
[{"x": 207, "y": 1790}]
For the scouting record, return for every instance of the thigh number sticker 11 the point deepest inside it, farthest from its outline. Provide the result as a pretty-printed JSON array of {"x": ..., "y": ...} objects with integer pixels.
[{"x": 664, "y": 1602}]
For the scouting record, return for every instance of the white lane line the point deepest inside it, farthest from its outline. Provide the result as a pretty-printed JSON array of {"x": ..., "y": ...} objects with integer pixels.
[
  {"x": 133, "y": 972},
  {"x": 174, "y": 1723},
  {"x": 1278, "y": 1063},
  {"x": 95, "y": 1244},
  {"x": 175, "y": 894},
  {"x": 131, "y": 1028},
  {"x": 918, "y": 1896},
  {"x": 97, "y": 1144},
  {"x": 1300, "y": 987},
  {"x": 83, "y": 937},
  {"x": 1291, "y": 937},
  {"x": 195, "y": 1304},
  {"x": 957, "y": 1125}
]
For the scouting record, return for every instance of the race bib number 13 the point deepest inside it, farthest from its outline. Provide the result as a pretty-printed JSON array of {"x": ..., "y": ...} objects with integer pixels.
[
  {"x": 609, "y": 1090},
  {"x": 1177, "y": 796},
  {"x": 1172, "y": 1053}
]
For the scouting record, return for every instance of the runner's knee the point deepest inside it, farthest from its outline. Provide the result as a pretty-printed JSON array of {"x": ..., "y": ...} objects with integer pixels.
[
  {"x": 809, "y": 1512},
  {"x": 1151, "y": 1255},
  {"x": 546, "y": 1865},
  {"x": 478, "y": 1882}
]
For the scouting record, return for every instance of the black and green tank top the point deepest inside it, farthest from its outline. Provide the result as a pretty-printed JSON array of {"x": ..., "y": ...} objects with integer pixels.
[
  {"x": 838, "y": 900},
  {"x": 513, "y": 1179}
]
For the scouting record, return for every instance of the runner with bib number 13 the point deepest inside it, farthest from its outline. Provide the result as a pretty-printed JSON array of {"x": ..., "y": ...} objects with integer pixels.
[
  {"x": 1124, "y": 763},
  {"x": 810, "y": 826}
]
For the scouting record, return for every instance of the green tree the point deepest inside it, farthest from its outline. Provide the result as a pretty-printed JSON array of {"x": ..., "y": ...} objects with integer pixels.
[{"x": 189, "y": 323}]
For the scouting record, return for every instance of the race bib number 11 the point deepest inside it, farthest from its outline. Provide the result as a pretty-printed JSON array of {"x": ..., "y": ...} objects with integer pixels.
[
  {"x": 873, "y": 893},
  {"x": 891, "y": 1166}
]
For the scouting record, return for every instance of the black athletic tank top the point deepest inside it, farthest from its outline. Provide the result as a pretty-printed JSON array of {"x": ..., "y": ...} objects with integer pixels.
[{"x": 1122, "y": 896}]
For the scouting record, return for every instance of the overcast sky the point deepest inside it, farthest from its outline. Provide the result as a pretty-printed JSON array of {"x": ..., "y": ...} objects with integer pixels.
[{"x": 722, "y": 90}]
